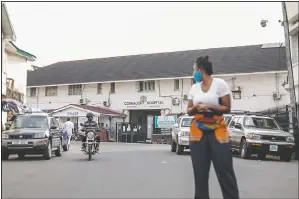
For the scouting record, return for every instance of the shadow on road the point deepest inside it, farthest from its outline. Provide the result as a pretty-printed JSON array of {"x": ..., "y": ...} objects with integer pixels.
[
  {"x": 184, "y": 153},
  {"x": 26, "y": 158},
  {"x": 267, "y": 159}
]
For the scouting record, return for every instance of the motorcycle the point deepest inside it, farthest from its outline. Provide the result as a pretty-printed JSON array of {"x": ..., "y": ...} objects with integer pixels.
[{"x": 91, "y": 144}]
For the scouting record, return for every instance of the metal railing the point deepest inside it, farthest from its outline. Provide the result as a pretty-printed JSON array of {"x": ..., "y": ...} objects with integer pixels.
[{"x": 282, "y": 115}]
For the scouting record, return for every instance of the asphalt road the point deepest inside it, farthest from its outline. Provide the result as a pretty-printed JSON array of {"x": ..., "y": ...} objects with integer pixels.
[{"x": 137, "y": 171}]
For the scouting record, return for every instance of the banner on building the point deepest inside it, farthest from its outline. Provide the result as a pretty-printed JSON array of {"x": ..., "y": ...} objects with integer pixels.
[{"x": 165, "y": 121}]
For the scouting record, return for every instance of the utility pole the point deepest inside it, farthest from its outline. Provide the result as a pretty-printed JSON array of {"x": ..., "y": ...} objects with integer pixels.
[
  {"x": 294, "y": 114},
  {"x": 289, "y": 62}
]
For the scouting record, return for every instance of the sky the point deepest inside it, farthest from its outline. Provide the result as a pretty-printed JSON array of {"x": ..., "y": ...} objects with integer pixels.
[{"x": 60, "y": 31}]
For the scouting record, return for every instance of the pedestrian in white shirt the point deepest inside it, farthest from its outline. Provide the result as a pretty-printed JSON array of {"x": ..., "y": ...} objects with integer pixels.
[{"x": 69, "y": 128}]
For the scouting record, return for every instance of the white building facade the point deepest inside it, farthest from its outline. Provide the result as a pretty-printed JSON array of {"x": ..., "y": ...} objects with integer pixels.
[
  {"x": 15, "y": 63},
  {"x": 259, "y": 91},
  {"x": 142, "y": 87},
  {"x": 293, "y": 17}
]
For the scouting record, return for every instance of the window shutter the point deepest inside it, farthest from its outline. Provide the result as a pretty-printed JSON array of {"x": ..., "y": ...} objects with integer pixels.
[{"x": 138, "y": 86}]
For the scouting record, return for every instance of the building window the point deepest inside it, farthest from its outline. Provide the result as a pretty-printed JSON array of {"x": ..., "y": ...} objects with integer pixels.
[
  {"x": 32, "y": 92},
  {"x": 99, "y": 89},
  {"x": 51, "y": 91},
  {"x": 146, "y": 86},
  {"x": 75, "y": 89},
  {"x": 112, "y": 87},
  {"x": 176, "y": 84}
]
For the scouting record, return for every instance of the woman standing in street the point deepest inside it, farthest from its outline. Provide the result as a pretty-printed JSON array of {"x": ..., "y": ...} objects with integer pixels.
[{"x": 209, "y": 99}]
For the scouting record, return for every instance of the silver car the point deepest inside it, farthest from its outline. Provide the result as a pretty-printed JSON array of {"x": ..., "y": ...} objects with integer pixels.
[
  {"x": 180, "y": 134},
  {"x": 261, "y": 135}
]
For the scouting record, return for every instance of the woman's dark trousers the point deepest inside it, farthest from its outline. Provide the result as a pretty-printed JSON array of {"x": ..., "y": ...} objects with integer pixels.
[{"x": 202, "y": 153}]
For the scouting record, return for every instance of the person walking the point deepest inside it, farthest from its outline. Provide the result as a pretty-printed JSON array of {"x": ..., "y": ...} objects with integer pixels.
[
  {"x": 208, "y": 100},
  {"x": 69, "y": 128},
  {"x": 107, "y": 132}
]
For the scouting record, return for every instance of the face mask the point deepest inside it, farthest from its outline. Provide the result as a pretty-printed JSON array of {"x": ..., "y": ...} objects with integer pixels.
[{"x": 197, "y": 76}]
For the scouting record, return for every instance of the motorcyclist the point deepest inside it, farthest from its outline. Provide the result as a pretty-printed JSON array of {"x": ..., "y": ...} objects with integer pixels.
[{"x": 90, "y": 125}]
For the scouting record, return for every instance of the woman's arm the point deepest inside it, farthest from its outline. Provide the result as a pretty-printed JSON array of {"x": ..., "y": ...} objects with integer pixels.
[
  {"x": 224, "y": 107},
  {"x": 191, "y": 110}
]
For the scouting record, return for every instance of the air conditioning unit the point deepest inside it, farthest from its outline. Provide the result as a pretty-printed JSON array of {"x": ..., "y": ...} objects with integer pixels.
[
  {"x": 276, "y": 96},
  {"x": 82, "y": 101},
  {"x": 175, "y": 102},
  {"x": 185, "y": 97},
  {"x": 106, "y": 103},
  {"x": 236, "y": 88}
]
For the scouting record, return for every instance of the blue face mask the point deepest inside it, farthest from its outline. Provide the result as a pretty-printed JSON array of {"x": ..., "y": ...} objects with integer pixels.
[{"x": 197, "y": 76}]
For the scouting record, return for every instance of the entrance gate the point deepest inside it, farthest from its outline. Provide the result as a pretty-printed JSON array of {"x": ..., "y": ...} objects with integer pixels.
[{"x": 130, "y": 132}]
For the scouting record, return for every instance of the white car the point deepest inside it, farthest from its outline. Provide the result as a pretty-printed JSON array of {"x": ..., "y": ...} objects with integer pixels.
[{"x": 180, "y": 134}]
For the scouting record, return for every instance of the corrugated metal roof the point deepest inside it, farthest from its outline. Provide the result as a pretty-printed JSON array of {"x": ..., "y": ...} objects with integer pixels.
[{"x": 241, "y": 59}]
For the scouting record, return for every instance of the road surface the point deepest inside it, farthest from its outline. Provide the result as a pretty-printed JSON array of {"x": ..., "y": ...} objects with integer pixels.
[{"x": 137, "y": 171}]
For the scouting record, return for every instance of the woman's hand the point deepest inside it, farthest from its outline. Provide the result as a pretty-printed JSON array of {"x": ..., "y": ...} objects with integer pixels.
[{"x": 202, "y": 107}]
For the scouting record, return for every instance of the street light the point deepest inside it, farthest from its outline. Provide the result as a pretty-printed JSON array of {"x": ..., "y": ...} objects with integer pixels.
[
  {"x": 293, "y": 119},
  {"x": 285, "y": 24}
]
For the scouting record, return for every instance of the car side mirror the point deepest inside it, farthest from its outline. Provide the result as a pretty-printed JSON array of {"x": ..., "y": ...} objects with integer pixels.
[
  {"x": 53, "y": 127},
  {"x": 238, "y": 126},
  {"x": 176, "y": 125}
]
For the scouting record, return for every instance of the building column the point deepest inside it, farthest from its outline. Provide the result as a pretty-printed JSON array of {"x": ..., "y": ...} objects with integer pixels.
[{"x": 127, "y": 112}]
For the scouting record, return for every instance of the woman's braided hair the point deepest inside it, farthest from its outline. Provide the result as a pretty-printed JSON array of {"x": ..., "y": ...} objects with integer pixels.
[{"x": 205, "y": 64}]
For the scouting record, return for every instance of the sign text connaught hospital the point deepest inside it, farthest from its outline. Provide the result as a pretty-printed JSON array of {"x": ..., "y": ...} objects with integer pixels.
[{"x": 141, "y": 103}]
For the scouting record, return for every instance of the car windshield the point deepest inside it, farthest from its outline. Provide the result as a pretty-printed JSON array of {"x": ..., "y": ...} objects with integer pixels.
[
  {"x": 186, "y": 122},
  {"x": 261, "y": 123},
  {"x": 23, "y": 121},
  {"x": 227, "y": 119}
]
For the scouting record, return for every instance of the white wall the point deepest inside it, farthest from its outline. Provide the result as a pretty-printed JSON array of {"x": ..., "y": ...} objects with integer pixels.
[
  {"x": 16, "y": 69},
  {"x": 257, "y": 91},
  {"x": 292, "y": 10},
  {"x": 3, "y": 67}
]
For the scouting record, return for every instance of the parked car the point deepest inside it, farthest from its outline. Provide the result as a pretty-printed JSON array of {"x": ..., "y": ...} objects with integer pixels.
[
  {"x": 32, "y": 133},
  {"x": 227, "y": 118},
  {"x": 261, "y": 135},
  {"x": 180, "y": 134}
]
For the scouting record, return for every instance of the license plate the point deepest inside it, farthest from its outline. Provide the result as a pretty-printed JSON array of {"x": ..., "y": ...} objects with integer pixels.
[
  {"x": 273, "y": 148},
  {"x": 20, "y": 142}
]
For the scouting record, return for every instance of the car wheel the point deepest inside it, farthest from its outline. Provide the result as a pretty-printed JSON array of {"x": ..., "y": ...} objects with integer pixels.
[
  {"x": 173, "y": 146},
  {"x": 47, "y": 152},
  {"x": 66, "y": 147},
  {"x": 261, "y": 156},
  {"x": 287, "y": 157},
  {"x": 245, "y": 154},
  {"x": 179, "y": 148},
  {"x": 58, "y": 152},
  {"x": 21, "y": 155},
  {"x": 4, "y": 156}
]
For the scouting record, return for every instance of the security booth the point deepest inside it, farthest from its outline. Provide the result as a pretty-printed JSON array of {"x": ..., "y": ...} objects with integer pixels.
[
  {"x": 103, "y": 116},
  {"x": 163, "y": 127},
  {"x": 159, "y": 132},
  {"x": 129, "y": 132}
]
